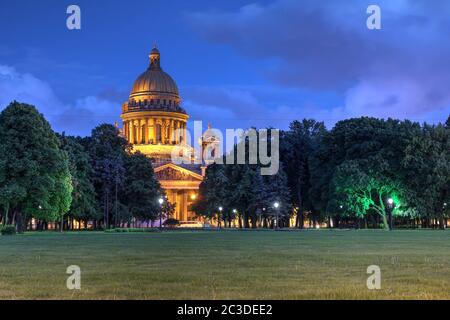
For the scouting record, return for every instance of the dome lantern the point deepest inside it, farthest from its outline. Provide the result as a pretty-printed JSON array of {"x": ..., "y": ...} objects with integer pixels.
[
  {"x": 154, "y": 89},
  {"x": 155, "y": 59}
]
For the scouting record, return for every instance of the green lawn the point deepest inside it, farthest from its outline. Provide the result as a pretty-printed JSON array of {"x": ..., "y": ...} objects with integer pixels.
[{"x": 227, "y": 265}]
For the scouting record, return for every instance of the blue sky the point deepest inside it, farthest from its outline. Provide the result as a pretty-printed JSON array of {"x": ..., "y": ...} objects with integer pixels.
[{"x": 237, "y": 63}]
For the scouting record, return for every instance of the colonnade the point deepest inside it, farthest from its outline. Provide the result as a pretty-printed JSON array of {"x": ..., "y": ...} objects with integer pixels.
[{"x": 155, "y": 131}]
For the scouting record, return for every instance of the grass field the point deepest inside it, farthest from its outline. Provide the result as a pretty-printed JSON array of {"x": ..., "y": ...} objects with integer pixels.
[{"x": 227, "y": 265}]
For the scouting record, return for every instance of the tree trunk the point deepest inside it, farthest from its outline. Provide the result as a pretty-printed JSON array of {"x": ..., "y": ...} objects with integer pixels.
[
  {"x": 19, "y": 219},
  {"x": 6, "y": 213},
  {"x": 385, "y": 222},
  {"x": 441, "y": 222}
]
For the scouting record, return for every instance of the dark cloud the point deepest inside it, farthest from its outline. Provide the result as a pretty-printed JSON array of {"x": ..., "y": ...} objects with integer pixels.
[{"x": 402, "y": 70}]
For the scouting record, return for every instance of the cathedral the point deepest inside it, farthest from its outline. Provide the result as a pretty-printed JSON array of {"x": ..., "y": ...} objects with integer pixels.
[{"x": 154, "y": 123}]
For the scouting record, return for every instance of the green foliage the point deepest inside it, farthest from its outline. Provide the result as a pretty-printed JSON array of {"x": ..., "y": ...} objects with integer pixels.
[
  {"x": 358, "y": 164},
  {"x": 427, "y": 167},
  {"x": 365, "y": 187},
  {"x": 296, "y": 148},
  {"x": 242, "y": 191},
  {"x": 107, "y": 150},
  {"x": 7, "y": 230},
  {"x": 34, "y": 173},
  {"x": 141, "y": 190},
  {"x": 84, "y": 205}
]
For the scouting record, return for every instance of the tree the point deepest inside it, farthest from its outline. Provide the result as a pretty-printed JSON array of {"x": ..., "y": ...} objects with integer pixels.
[
  {"x": 34, "y": 172},
  {"x": 427, "y": 163},
  {"x": 84, "y": 204},
  {"x": 366, "y": 189},
  {"x": 212, "y": 192},
  {"x": 107, "y": 151},
  {"x": 296, "y": 147},
  {"x": 368, "y": 141},
  {"x": 141, "y": 190},
  {"x": 276, "y": 190}
]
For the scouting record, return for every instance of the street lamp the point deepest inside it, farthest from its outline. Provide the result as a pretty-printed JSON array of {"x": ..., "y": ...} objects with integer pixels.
[
  {"x": 161, "y": 201},
  {"x": 276, "y": 205},
  {"x": 220, "y": 214},
  {"x": 390, "y": 202}
]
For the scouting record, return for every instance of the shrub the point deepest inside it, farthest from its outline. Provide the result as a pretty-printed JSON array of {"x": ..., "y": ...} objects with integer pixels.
[
  {"x": 8, "y": 230},
  {"x": 171, "y": 223}
]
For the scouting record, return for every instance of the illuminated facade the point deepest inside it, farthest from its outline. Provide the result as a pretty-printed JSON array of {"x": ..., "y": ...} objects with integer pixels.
[{"x": 155, "y": 124}]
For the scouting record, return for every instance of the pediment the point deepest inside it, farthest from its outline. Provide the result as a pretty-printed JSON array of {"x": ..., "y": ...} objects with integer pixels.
[{"x": 171, "y": 171}]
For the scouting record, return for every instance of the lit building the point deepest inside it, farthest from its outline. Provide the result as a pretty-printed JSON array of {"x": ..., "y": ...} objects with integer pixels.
[{"x": 155, "y": 124}]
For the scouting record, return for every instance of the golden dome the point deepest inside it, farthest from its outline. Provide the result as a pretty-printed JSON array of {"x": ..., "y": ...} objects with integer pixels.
[
  {"x": 154, "y": 82},
  {"x": 155, "y": 86}
]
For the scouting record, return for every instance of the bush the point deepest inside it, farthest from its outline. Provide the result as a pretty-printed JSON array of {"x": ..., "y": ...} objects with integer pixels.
[
  {"x": 8, "y": 230},
  {"x": 171, "y": 223}
]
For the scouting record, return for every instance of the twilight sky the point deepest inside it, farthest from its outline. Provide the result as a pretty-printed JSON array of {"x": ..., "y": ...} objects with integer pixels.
[{"x": 237, "y": 63}]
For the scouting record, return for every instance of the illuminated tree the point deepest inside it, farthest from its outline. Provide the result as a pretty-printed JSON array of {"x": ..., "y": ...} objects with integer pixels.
[{"x": 366, "y": 190}]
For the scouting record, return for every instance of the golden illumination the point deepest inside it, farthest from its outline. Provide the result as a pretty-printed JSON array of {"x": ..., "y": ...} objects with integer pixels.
[{"x": 154, "y": 123}]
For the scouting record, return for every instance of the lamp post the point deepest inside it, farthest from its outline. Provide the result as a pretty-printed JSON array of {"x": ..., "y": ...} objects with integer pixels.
[
  {"x": 276, "y": 205},
  {"x": 220, "y": 214},
  {"x": 161, "y": 201},
  {"x": 390, "y": 206}
]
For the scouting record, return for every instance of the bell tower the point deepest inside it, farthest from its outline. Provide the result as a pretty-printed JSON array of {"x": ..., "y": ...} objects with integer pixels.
[{"x": 210, "y": 146}]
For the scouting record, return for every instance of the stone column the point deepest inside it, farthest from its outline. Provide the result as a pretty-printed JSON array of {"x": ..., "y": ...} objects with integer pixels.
[
  {"x": 155, "y": 124},
  {"x": 172, "y": 132},
  {"x": 175, "y": 127},
  {"x": 184, "y": 208},
  {"x": 150, "y": 129},
  {"x": 183, "y": 131},
  {"x": 131, "y": 124},
  {"x": 146, "y": 130},
  {"x": 139, "y": 132}
]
